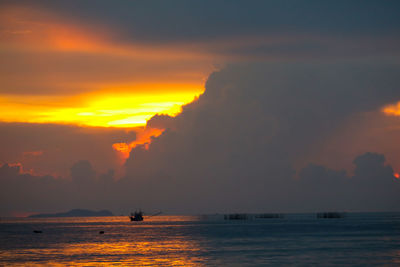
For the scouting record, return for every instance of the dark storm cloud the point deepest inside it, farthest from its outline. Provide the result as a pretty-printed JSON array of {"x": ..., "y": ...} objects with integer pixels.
[
  {"x": 236, "y": 146},
  {"x": 264, "y": 102}
]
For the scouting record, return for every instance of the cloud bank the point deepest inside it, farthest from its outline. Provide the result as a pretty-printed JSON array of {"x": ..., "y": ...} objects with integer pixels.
[
  {"x": 236, "y": 147},
  {"x": 53, "y": 149}
]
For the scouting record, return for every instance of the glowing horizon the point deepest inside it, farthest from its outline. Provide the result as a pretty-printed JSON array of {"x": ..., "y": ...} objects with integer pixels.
[{"x": 121, "y": 109}]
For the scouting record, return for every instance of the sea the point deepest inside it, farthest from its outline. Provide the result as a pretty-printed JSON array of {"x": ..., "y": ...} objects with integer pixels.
[{"x": 358, "y": 239}]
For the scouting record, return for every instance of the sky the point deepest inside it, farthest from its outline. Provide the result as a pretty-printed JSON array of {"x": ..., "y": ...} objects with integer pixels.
[{"x": 199, "y": 107}]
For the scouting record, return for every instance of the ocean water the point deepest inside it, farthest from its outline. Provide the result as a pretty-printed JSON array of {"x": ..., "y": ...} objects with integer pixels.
[{"x": 297, "y": 239}]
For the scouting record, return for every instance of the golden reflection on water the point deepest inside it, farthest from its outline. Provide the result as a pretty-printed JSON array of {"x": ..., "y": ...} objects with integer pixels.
[
  {"x": 125, "y": 244},
  {"x": 164, "y": 253}
]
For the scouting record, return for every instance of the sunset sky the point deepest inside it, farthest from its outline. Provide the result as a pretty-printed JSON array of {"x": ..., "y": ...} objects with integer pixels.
[{"x": 189, "y": 103}]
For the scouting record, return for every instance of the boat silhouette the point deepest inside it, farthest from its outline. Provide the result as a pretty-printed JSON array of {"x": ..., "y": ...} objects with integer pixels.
[{"x": 137, "y": 216}]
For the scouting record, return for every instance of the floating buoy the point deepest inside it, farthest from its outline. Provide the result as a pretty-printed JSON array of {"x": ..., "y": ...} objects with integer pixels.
[{"x": 101, "y": 232}]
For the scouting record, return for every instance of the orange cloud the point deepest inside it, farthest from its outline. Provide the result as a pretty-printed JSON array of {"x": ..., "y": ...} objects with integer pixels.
[
  {"x": 392, "y": 110},
  {"x": 35, "y": 29},
  {"x": 143, "y": 138},
  {"x": 123, "y": 148}
]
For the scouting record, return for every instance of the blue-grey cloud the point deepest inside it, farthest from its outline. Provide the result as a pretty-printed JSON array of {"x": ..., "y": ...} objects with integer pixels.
[
  {"x": 25, "y": 192},
  {"x": 281, "y": 28},
  {"x": 317, "y": 188},
  {"x": 179, "y": 19}
]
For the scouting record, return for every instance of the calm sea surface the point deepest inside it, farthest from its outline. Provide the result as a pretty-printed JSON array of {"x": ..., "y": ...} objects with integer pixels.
[{"x": 302, "y": 239}]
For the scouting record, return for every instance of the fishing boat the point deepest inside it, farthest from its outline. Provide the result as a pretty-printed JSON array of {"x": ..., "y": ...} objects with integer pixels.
[{"x": 137, "y": 216}]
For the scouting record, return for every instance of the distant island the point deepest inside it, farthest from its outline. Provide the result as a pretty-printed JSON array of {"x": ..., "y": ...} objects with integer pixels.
[{"x": 74, "y": 213}]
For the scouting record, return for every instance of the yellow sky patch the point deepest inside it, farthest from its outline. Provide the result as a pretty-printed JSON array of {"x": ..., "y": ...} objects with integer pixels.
[{"x": 96, "y": 109}]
